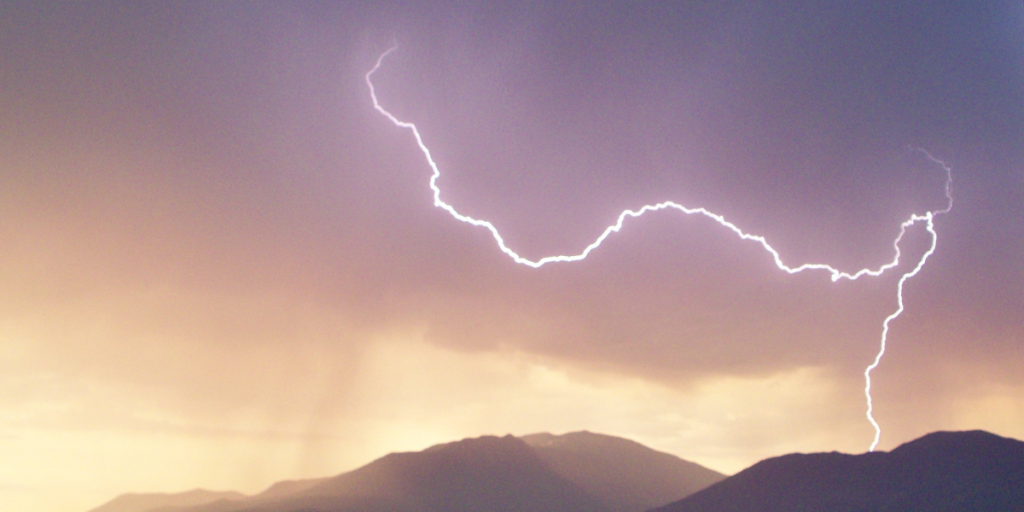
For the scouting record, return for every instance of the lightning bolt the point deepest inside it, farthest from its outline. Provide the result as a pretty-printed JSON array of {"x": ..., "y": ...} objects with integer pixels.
[
  {"x": 929, "y": 219},
  {"x": 835, "y": 274}
]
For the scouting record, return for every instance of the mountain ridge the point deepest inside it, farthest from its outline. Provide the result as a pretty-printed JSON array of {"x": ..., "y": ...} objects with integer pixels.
[
  {"x": 578, "y": 471},
  {"x": 147, "y": 502},
  {"x": 597, "y": 463},
  {"x": 943, "y": 471}
]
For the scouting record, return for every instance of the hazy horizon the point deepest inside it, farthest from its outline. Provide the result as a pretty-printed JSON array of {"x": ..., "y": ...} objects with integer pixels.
[{"x": 221, "y": 268}]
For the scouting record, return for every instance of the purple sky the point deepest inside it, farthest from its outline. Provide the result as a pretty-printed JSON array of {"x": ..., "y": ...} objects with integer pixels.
[{"x": 220, "y": 267}]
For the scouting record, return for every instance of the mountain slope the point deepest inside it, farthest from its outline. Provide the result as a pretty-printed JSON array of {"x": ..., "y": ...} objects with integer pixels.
[
  {"x": 579, "y": 471},
  {"x": 486, "y": 473},
  {"x": 473, "y": 475},
  {"x": 944, "y": 471},
  {"x": 145, "y": 502},
  {"x": 627, "y": 476},
  {"x": 286, "y": 488}
]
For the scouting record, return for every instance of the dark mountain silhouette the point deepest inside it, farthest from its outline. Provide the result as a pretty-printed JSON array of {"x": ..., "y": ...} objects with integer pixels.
[
  {"x": 581, "y": 472},
  {"x": 287, "y": 488},
  {"x": 209, "y": 500},
  {"x": 150, "y": 501},
  {"x": 275, "y": 492},
  {"x": 944, "y": 471},
  {"x": 473, "y": 475},
  {"x": 626, "y": 476}
]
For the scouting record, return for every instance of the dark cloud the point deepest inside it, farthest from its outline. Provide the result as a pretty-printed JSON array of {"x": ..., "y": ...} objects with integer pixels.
[{"x": 202, "y": 214}]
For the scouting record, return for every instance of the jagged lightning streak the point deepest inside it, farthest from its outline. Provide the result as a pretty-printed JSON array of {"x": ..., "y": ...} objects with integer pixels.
[{"x": 928, "y": 218}]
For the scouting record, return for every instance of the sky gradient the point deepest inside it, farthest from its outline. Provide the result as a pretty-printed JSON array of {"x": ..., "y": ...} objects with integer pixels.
[{"x": 221, "y": 268}]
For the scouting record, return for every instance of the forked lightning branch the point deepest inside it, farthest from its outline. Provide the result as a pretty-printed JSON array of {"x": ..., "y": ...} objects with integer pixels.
[{"x": 928, "y": 218}]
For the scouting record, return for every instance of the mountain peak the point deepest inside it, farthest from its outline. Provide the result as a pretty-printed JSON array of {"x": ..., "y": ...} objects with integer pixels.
[
  {"x": 483, "y": 473},
  {"x": 626, "y": 475},
  {"x": 944, "y": 471},
  {"x": 574, "y": 439},
  {"x": 506, "y": 442},
  {"x": 575, "y": 472},
  {"x": 958, "y": 440}
]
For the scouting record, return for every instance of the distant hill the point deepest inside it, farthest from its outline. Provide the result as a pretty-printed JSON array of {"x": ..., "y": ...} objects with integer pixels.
[
  {"x": 500, "y": 474},
  {"x": 577, "y": 472},
  {"x": 626, "y": 476},
  {"x": 944, "y": 471},
  {"x": 287, "y": 488},
  {"x": 151, "y": 501}
]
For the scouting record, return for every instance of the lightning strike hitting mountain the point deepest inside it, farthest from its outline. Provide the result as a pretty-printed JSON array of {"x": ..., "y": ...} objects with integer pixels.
[{"x": 927, "y": 218}]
